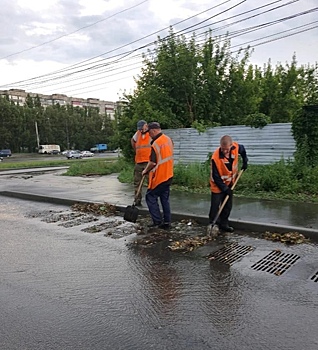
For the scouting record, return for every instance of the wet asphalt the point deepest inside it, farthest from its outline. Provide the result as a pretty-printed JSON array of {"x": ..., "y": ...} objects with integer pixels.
[{"x": 63, "y": 286}]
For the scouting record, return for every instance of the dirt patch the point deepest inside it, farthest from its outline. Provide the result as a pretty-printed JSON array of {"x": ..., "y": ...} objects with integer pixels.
[{"x": 95, "y": 208}]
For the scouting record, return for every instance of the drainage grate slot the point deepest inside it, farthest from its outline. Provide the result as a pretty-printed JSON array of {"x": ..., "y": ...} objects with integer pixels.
[
  {"x": 314, "y": 277},
  {"x": 276, "y": 262},
  {"x": 231, "y": 253}
]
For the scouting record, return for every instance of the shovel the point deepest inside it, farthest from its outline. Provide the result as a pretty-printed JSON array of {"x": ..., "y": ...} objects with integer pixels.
[
  {"x": 131, "y": 212},
  {"x": 213, "y": 228}
]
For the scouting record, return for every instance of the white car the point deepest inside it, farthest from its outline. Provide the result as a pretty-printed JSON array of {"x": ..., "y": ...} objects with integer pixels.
[
  {"x": 87, "y": 154},
  {"x": 74, "y": 155}
]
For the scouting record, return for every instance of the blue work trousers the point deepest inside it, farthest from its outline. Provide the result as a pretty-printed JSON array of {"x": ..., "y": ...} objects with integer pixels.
[{"x": 162, "y": 191}]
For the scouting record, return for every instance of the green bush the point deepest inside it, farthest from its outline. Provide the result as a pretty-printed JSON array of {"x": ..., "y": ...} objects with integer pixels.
[{"x": 257, "y": 120}]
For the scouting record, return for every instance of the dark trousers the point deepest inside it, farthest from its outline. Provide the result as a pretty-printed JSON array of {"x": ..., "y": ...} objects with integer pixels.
[
  {"x": 162, "y": 191},
  {"x": 216, "y": 201}
]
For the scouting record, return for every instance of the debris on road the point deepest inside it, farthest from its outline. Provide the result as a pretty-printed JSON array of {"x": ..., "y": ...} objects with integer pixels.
[
  {"x": 183, "y": 236},
  {"x": 288, "y": 237},
  {"x": 95, "y": 208},
  {"x": 190, "y": 243}
]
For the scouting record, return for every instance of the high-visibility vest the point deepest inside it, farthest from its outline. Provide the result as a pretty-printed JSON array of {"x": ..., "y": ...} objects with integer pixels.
[
  {"x": 163, "y": 170},
  {"x": 142, "y": 147},
  {"x": 227, "y": 176}
]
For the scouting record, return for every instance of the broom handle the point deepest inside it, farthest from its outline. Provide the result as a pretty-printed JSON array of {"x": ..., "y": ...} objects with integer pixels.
[
  {"x": 140, "y": 186},
  {"x": 227, "y": 197}
]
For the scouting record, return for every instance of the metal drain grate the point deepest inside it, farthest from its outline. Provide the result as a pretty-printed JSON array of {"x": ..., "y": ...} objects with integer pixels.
[
  {"x": 276, "y": 262},
  {"x": 314, "y": 277},
  {"x": 231, "y": 253}
]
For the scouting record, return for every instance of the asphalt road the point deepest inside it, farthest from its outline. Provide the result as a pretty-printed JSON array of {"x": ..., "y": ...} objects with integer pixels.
[{"x": 62, "y": 287}]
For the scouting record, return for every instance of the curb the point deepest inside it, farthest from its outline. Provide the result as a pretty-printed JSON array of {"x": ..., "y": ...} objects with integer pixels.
[
  {"x": 31, "y": 170},
  {"x": 245, "y": 226}
]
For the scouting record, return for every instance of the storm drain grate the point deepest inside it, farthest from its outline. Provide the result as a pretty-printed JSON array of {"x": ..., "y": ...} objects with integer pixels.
[
  {"x": 276, "y": 262},
  {"x": 231, "y": 253},
  {"x": 314, "y": 277}
]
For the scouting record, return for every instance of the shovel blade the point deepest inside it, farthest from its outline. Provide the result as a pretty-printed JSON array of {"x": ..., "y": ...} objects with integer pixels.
[
  {"x": 213, "y": 230},
  {"x": 131, "y": 213}
]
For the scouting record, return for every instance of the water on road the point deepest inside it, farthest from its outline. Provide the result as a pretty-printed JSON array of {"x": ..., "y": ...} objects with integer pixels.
[{"x": 62, "y": 287}]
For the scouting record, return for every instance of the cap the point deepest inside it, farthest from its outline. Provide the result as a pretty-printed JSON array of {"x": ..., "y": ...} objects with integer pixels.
[
  {"x": 140, "y": 124},
  {"x": 154, "y": 125}
]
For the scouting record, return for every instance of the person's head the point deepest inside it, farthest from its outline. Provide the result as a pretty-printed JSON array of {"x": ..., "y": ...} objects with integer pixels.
[
  {"x": 226, "y": 143},
  {"x": 142, "y": 126},
  {"x": 154, "y": 129}
]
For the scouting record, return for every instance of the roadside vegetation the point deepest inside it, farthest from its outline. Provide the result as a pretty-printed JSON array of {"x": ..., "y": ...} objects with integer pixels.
[
  {"x": 49, "y": 163},
  {"x": 32, "y": 164}
]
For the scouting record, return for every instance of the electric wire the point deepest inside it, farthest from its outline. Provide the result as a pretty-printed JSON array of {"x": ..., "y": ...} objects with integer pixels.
[
  {"x": 251, "y": 29},
  {"x": 75, "y": 31},
  {"x": 239, "y": 32},
  {"x": 259, "y": 39},
  {"x": 141, "y": 47}
]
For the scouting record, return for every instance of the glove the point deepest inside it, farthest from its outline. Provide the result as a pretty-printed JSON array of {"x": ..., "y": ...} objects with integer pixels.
[
  {"x": 228, "y": 191},
  {"x": 244, "y": 166}
]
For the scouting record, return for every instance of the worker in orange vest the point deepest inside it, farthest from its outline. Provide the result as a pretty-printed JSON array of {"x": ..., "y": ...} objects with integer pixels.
[
  {"x": 160, "y": 169},
  {"x": 224, "y": 169},
  {"x": 140, "y": 142}
]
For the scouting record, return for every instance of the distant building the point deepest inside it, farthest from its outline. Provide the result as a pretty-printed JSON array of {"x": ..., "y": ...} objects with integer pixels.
[{"x": 18, "y": 96}]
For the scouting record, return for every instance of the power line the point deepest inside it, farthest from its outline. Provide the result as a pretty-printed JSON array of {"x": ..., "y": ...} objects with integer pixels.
[
  {"x": 231, "y": 35},
  {"x": 75, "y": 31},
  {"x": 152, "y": 43},
  {"x": 118, "y": 48}
]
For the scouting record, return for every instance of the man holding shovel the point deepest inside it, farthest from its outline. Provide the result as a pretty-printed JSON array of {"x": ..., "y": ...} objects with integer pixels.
[
  {"x": 224, "y": 172},
  {"x": 160, "y": 169},
  {"x": 140, "y": 142}
]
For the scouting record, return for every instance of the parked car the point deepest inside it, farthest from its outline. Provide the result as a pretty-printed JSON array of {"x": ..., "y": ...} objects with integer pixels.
[
  {"x": 5, "y": 153},
  {"x": 74, "y": 155},
  {"x": 87, "y": 154},
  {"x": 1, "y": 159}
]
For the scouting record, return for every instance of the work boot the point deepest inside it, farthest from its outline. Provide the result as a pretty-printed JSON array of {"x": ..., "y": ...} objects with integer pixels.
[
  {"x": 165, "y": 226},
  {"x": 154, "y": 225},
  {"x": 227, "y": 228}
]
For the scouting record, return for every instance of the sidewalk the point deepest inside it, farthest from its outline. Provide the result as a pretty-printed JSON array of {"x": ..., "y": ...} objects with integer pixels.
[{"x": 247, "y": 214}]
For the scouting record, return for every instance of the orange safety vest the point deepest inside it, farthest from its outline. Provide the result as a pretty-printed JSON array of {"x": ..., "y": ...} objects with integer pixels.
[
  {"x": 227, "y": 176},
  {"x": 143, "y": 147},
  {"x": 163, "y": 170}
]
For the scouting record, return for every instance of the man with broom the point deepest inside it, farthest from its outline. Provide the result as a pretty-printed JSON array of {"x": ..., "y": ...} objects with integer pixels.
[{"x": 224, "y": 172}]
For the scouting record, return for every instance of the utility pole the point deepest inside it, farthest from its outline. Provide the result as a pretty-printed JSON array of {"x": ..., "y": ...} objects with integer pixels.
[{"x": 37, "y": 134}]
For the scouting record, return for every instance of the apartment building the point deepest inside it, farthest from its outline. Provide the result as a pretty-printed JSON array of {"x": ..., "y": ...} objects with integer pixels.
[{"x": 18, "y": 96}]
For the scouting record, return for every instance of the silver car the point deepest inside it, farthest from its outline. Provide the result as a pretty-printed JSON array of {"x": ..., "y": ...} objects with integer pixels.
[
  {"x": 87, "y": 154},
  {"x": 74, "y": 155}
]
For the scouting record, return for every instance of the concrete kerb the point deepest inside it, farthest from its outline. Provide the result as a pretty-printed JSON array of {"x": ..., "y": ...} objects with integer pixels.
[{"x": 245, "y": 226}]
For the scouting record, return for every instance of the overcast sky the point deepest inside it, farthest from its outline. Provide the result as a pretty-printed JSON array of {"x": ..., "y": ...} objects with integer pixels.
[{"x": 71, "y": 46}]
